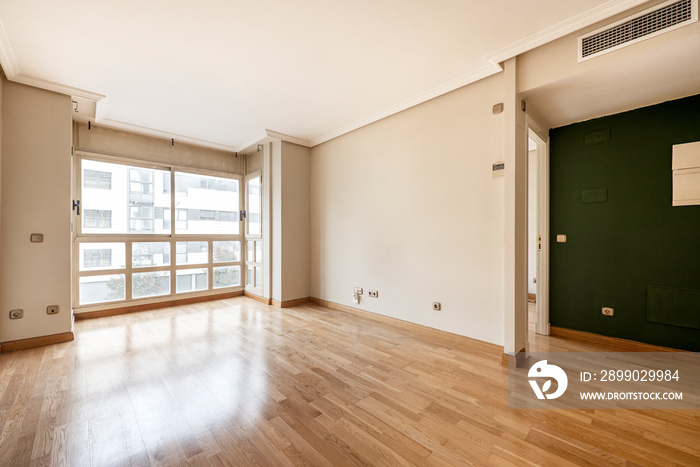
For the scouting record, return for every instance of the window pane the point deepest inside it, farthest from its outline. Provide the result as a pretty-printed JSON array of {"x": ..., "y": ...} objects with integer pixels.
[
  {"x": 95, "y": 256},
  {"x": 150, "y": 254},
  {"x": 120, "y": 199},
  {"x": 249, "y": 276},
  {"x": 192, "y": 253},
  {"x": 228, "y": 276},
  {"x": 190, "y": 280},
  {"x": 251, "y": 252},
  {"x": 258, "y": 252},
  {"x": 206, "y": 204},
  {"x": 97, "y": 179},
  {"x": 258, "y": 277},
  {"x": 227, "y": 251},
  {"x": 97, "y": 219},
  {"x": 99, "y": 289},
  {"x": 150, "y": 284},
  {"x": 254, "y": 207}
]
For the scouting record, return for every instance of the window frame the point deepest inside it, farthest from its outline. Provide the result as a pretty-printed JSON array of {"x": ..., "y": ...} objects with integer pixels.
[
  {"x": 130, "y": 238},
  {"x": 255, "y": 263}
]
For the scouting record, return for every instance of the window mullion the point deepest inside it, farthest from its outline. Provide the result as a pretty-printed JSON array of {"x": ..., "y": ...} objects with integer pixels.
[
  {"x": 210, "y": 265},
  {"x": 172, "y": 202},
  {"x": 129, "y": 263}
]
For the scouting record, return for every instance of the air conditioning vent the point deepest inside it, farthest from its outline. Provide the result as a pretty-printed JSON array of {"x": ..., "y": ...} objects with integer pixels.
[{"x": 649, "y": 23}]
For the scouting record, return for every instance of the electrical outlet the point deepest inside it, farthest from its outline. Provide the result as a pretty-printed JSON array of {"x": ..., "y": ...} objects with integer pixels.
[
  {"x": 608, "y": 311},
  {"x": 373, "y": 293},
  {"x": 52, "y": 309},
  {"x": 357, "y": 291},
  {"x": 16, "y": 314},
  {"x": 437, "y": 306}
]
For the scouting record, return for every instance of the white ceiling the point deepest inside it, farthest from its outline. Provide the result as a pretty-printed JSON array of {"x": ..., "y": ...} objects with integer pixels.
[{"x": 220, "y": 72}]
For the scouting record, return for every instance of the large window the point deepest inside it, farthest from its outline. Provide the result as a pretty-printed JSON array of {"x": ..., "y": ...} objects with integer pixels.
[{"x": 139, "y": 239}]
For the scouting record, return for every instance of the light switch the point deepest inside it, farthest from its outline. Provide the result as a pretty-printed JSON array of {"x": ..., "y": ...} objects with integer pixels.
[
  {"x": 36, "y": 238},
  {"x": 498, "y": 169},
  {"x": 561, "y": 238}
]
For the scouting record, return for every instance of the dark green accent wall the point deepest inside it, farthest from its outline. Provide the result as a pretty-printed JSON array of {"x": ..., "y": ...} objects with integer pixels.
[{"x": 635, "y": 238}]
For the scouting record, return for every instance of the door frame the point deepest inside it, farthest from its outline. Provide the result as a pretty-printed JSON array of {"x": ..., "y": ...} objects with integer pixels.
[{"x": 541, "y": 137}]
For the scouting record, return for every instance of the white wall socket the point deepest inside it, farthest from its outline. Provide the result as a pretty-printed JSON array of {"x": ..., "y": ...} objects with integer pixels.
[
  {"x": 608, "y": 311},
  {"x": 373, "y": 293},
  {"x": 437, "y": 306},
  {"x": 357, "y": 290}
]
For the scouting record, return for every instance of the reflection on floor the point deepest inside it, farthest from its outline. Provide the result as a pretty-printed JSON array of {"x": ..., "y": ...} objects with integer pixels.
[{"x": 235, "y": 382}]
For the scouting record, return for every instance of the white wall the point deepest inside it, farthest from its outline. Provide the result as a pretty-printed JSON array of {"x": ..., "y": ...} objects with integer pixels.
[
  {"x": 532, "y": 221},
  {"x": 36, "y": 198},
  {"x": 296, "y": 221},
  {"x": 407, "y": 206}
]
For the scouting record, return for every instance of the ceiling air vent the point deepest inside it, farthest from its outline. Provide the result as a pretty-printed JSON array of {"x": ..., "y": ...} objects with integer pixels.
[{"x": 654, "y": 21}]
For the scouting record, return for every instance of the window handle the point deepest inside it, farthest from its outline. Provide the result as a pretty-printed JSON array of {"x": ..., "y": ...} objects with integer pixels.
[
  {"x": 243, "y": 215},
  {"x": 76, "y": 206}
]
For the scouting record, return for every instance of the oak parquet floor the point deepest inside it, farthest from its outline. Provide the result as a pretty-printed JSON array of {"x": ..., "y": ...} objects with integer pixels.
[{"x": 235, "y": 382}]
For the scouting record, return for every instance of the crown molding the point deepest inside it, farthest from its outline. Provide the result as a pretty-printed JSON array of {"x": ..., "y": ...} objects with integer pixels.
[
  {"x": 481, "y": 73},
  {"x": 271, "y": 134},
  {"x": 564, "y": 28},
  {"x": 288, "y": 139},
  {"x": 7, "y": 58},
  {"x": 108, "y": 122},
  {"x": 251, "y": 141},
  {"x": 56, "y": 87}
]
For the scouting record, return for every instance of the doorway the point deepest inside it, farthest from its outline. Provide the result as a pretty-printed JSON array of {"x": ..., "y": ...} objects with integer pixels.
[{"x": 538, "y": 230}]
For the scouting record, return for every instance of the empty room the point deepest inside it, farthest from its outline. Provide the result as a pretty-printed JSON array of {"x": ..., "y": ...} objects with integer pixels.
[{"x": 349, "y": 233}]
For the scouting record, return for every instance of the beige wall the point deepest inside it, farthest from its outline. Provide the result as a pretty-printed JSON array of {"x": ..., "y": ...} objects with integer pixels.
[
  {"x": 103, "y": 140},
  {"x": 254, "y": 162},
  {"x": 36, "y": 198},
  {"x": 275, "y": 219},
  {"x": 286, "y": 206},
  {"x": 407, "y": 206},
  {"x": 296, "y": 221}
]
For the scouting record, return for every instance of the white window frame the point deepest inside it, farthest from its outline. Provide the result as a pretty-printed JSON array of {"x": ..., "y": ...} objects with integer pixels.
[
  {"x": 172, "y": 239},
  {"x": 255, "y": 262}
]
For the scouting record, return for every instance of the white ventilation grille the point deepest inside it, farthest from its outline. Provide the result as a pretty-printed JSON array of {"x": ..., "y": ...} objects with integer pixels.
[{"x": 649, "y": 23}]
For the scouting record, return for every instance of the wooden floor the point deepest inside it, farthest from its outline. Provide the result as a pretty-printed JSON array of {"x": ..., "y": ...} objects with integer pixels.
[{"x": 235, "y": 382}]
